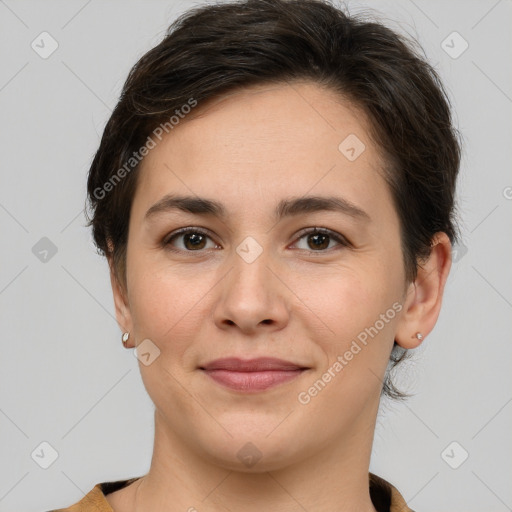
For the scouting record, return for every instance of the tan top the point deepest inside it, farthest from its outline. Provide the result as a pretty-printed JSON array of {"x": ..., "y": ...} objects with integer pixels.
[{"x": 384, "y": 496}]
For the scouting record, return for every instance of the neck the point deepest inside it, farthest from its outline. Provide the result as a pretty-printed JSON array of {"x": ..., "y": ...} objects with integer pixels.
[{"x": 333, "y": 478}]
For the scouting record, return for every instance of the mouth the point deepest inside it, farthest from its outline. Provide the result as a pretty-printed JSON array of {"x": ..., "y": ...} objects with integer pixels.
[{"x": 252, "y": 375}]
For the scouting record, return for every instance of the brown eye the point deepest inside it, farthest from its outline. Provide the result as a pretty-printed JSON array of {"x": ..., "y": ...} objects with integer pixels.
[
  {"x": 318, "y": 240},
  {"x": 192, "y": 239},
  {"x": 196, "y": 240}
]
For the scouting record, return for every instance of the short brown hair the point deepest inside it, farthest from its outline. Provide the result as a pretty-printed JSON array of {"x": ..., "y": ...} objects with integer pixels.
[{"x": 218, "y": 48}]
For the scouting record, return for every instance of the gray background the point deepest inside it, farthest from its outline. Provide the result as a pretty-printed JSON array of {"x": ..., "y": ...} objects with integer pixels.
[{"x": 65, "y": 377}]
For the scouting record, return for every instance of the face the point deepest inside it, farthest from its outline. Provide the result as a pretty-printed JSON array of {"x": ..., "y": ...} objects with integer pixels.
[{"x": 251, "y": 279}]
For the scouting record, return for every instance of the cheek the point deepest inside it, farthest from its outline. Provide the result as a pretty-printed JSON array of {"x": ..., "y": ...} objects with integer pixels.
[
  {"x": 166, "y": 305},
  {"x": 360, "y": 310},
  {"x": 353, "y": 307}
]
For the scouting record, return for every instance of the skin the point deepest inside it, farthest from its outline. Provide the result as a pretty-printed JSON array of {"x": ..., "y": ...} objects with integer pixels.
[{"x": 249, "y": 150}]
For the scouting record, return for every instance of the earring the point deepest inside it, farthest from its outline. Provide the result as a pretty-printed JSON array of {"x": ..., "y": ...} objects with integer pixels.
[
  {"x": 125, "y": 337},
  {"x": 419, "y": 335}
]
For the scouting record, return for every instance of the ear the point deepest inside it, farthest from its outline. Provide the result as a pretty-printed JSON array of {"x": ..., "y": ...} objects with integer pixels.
[
  {"x": 424, "y": 296},
  {"x": 123, "y": 315}
]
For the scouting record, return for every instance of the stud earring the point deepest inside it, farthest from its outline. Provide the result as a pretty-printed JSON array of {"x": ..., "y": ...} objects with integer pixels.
[
  {"x": 419, "y": 335},
  {"x": 125, "y": 337}
]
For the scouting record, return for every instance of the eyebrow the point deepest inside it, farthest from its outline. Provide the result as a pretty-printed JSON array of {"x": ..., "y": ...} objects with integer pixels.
[{"x": 285, "y": 208}]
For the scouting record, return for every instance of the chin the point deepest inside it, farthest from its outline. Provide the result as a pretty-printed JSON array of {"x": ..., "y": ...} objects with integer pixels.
[{"x": 252, "y": 450}]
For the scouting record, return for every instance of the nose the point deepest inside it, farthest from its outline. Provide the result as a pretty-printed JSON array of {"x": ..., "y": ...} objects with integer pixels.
[{"x": 252, "y": 297}]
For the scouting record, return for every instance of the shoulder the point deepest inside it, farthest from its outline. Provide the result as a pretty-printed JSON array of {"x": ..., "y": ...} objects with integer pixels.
[
  {"x": 95, "y": 500},
  {"x": 385, "y": 497}
]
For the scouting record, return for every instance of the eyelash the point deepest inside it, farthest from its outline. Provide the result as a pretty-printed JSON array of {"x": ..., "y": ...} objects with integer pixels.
[{"x": 166, "y": 242}]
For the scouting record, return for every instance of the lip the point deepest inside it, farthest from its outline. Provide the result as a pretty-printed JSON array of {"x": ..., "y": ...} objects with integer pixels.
[{"x": 252, "y": 375}]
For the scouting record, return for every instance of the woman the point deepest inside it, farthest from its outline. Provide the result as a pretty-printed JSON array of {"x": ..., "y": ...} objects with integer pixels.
[{"x": 274, "y": 195}]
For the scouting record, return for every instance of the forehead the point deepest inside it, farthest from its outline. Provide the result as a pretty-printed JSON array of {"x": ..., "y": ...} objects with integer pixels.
[{"x": 257, "y": 143}]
